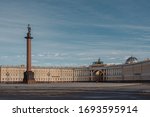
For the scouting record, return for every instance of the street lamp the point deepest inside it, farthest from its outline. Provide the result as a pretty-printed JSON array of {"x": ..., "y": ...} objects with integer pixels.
[
  {"x": 48, "y": 74},
  {"x": 7, "y": 74}
]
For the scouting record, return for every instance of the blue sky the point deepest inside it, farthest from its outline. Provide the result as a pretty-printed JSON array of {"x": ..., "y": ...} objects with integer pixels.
[{"x": 74, "y": 32}]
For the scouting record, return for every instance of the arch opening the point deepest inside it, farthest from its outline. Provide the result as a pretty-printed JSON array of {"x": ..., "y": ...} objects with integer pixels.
[{"x": 98, "y": 75}]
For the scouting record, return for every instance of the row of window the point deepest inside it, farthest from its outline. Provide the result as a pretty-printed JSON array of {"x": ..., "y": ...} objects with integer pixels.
[
  {"x": 12, "y": 79},
  {"x": 46, "y": 79},
  {"x": 113, "y": 71},
  {"x": 59, "y": 79}
]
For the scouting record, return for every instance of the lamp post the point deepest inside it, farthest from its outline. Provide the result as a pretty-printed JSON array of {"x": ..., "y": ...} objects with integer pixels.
[
  {"x": 7, "y": 74},
  {"x": 48, "y": 74}
]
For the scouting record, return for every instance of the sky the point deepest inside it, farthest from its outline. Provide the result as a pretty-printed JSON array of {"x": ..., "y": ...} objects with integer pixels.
[{"x": 74, "y": 32}]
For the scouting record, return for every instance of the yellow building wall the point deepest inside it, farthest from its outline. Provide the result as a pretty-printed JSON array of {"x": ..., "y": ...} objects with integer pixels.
[{"x": 43, "y": 74}]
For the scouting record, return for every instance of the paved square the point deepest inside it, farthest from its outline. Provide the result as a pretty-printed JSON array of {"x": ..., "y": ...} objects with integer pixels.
[{"x": 75, "y": 91}]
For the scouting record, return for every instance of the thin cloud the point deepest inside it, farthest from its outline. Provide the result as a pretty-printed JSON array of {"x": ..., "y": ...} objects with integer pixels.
[{"x": 77, "y": 32}]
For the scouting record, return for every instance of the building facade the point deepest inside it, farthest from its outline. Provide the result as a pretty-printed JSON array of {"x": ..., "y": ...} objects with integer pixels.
[
  {"x": 14, "y": 74},
  {"x": 132, "y": 70}
]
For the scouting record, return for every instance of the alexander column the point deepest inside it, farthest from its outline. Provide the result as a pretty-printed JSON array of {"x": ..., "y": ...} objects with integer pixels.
[{"x": 28, "y": 75}]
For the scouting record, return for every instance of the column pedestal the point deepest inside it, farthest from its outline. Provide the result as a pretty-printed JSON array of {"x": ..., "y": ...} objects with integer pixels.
[{"x": 29, "y": 77}]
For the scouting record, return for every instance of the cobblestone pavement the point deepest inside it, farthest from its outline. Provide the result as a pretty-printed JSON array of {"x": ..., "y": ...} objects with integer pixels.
[{"x": 75, "y": 91}]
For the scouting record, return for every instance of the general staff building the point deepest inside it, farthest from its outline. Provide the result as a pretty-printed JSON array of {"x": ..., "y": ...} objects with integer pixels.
[{"x": 131, "y": 70}]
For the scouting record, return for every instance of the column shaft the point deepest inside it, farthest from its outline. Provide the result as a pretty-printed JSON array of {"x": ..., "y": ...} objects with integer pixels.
[{"x": 28, "y": 54}]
